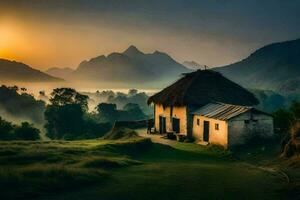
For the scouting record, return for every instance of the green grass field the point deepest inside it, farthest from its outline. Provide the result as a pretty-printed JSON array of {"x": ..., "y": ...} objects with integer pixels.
[{"x": 133, "y": 169}]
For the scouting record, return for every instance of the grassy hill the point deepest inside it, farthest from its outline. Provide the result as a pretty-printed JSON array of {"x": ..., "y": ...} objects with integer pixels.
[{"x": 130, "y": 169}]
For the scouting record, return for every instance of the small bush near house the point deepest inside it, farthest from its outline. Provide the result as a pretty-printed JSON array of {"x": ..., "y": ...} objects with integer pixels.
[
  {"x": 295, "y": 131},
  {"x": 292, "y": 147}
]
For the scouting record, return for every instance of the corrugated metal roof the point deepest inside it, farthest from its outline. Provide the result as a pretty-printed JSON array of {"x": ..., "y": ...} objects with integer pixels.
[{"x": 221, "y": 111}]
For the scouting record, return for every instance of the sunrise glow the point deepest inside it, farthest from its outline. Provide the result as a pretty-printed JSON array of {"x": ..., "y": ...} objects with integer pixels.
[{"x": 8, "y": 39}]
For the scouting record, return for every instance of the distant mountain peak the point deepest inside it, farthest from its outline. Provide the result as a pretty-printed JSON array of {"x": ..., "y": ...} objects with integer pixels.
[
  {"x": 132, "y": 51},
  {"x": 193, "y": 65},
  {"x": 130, "y": 67}
]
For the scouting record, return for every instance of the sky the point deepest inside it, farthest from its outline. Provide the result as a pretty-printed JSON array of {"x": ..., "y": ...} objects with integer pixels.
[{"x": 62, "y": 33}]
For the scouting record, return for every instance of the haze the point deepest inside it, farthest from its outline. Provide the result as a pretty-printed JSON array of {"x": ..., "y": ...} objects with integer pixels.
[{"x": 62, "y": 33}]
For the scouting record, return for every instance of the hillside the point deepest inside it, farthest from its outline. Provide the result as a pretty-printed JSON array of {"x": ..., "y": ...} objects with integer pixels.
[
  {"x": 17, "y": 71},
  {"x": 273, "y": 67},
  {"x": 131, "y": 66},
  {"x": 63, "y": 73}
]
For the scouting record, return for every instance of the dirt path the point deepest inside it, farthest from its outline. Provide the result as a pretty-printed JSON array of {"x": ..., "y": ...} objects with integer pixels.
[{"x": 156, "y": 138}]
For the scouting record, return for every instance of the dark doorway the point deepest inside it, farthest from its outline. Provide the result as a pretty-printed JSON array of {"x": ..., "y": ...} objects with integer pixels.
[
  {"x": 206, "y": 131},
  {"x": 176, "y": 125},
  {"x": 162, "y": 125}
]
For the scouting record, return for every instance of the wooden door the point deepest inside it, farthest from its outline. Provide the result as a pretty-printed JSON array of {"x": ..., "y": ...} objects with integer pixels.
[
  {"x": 206, "y": 131},
  {"x": 162, "y": 125},
  {"x": 176, "y": 125}
]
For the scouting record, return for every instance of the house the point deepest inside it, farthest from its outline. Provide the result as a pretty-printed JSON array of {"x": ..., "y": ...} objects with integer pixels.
[{"x": 210, "y": 108}]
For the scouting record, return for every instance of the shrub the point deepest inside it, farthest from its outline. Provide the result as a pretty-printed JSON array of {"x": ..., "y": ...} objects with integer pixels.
[
  {"x": 295, "y": 131},
  {"x": 292, "y": 146},
  {"x": 27, "y": 132},
  {"x": 120, "y": 133},
  {"x": 189, "y": 140},
  {"x": 6, "y": 130}
]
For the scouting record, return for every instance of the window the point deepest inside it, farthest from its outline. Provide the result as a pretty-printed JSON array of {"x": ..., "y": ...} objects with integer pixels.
[
  {"x": 216, "y": 126},
  {"x": 198, "y": 122}
]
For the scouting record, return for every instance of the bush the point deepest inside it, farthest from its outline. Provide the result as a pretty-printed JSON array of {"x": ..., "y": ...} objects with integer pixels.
[
  {"x": 118, "y": 133},
  {"x": 64, "y": 120},
  {"x": 295, "y": 131},
  {"x": 25, "y": 131},
  {"x": 6, "y": 130},
  {"x": 67, "y": 117},
  {"x": 189, "y": 140},
  {"x": 282, "y": 120},
  {"x": 94, "y": 129},
  {"x": 292, "y": 146}
]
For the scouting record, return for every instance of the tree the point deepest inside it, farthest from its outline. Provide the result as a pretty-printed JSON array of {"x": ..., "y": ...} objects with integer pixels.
[
  {"x": 107, "y": 112},
  {"x": 295, "y": 109},
  {"x": 26, "y": 132},
  {"x": 65, "y": 115},
  {"x": 132, "y": 92},
  {"x": 94, "y": 129},
  {"x": 64, "y": 96},
  {"x": 6, "y": 130},
  {"x": 134, "y": 111},
  {"x": 285, "y": 120},
  {"x": 282, "y": 120}
]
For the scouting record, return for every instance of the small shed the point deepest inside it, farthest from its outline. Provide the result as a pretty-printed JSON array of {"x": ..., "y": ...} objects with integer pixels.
[{"x": 230, "y": 125}]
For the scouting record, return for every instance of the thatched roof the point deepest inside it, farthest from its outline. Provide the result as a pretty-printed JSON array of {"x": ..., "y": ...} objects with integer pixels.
[{"x": 202, "y": 87}]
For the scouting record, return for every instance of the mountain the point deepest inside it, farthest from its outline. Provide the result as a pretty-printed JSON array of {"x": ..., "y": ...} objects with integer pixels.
[
  {"x": 63, "y": 73},
  {"x": 193, "y": 65},
  {"x": 131, "y": 67},
  {"x": 273, "y": 67},
  {"x": 17, "y": 71}
]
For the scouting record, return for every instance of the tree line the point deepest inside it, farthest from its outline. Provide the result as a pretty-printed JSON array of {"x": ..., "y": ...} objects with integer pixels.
[{"x": 67, "y": 116}]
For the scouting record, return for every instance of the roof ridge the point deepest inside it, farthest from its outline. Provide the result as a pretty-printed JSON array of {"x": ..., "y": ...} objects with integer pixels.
[
  {"x": 201, "y": 87},
  {"x": 190, "y": 83},
  {"x": 233, "y": 104}
]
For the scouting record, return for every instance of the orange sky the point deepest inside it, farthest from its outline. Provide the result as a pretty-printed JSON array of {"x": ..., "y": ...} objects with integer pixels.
[
  {"x": 62, "y": 33},
  {"x": 58, "y": 45},
  {"x": 48, "y": 45}
]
